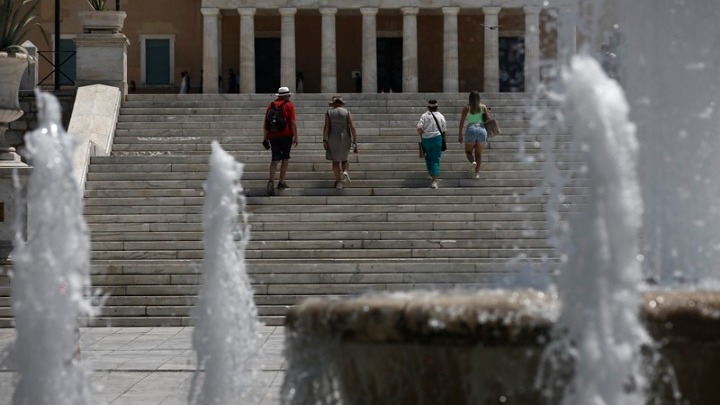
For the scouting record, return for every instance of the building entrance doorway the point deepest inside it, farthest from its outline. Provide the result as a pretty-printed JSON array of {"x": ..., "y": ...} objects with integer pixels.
[
  {"x": 267, "y": 65},
  {"x": 389, "y": 64},
  {"x": 512, "y": 64}
]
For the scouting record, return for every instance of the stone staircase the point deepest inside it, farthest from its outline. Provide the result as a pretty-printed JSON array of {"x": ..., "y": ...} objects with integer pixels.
[{"x": 386, "y": 231}]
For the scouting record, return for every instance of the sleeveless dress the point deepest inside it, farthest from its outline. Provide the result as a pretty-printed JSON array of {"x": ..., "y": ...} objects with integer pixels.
[{"x": 339, "y": 137}]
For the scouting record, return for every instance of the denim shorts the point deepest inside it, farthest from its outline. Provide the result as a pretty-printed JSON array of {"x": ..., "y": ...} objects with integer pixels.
[{"x": 475, "y": 133}]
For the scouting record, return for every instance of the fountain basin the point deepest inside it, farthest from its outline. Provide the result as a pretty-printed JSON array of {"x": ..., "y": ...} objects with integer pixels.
[{"x": 471, "y": 348}]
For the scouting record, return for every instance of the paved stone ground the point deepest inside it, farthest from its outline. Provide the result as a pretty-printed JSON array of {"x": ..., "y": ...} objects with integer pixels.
[{"x": 154, "y": 366}]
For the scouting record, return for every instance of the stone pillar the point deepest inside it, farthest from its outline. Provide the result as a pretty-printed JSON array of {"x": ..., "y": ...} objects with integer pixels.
[
  {"x": 451, "y": 81},
  {"x": 532, "y": 48},
  {"x": 410, "y": 51},
  {"x": 566, "y": 35},
  {"x": 369, "y": 50},
  {"x": 491, "y": 81},
  {"x": 287, "y": 47},
  {"x": 328, "y": 61},
  {"x": 211, "y": 51},
  {"x": 247, "y": 50},
  {"x": 102, "y": 59}
]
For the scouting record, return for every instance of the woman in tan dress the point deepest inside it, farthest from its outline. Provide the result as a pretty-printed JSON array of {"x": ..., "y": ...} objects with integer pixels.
[{"x": 339, "y": 136}]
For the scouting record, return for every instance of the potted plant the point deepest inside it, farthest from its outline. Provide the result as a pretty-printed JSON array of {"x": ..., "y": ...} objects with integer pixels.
[
  {"x": 100, "y": 20},
  {"x": 16, "y": 20}
]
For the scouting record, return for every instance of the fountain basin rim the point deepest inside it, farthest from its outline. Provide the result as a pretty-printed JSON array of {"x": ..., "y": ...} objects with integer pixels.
[{"x": 496, "y": 317}]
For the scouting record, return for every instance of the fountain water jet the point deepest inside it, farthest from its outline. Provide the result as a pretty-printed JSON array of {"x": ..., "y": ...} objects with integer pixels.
[
  {"x": 226, "y": 323},
  {"x": 599, "y": 327},
  {"x": 50, "y": 280}
]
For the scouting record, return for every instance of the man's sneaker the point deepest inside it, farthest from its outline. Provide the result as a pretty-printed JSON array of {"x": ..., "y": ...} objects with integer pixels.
[
  {"x": 346, "y": 176},
  {"x": 477, "y": 176},
  {"x": 434, "y": 184},
  {"x": 282, "y": 185},
  {"x": 270, "y": 188},
  {"x": 339, "y": 185}
]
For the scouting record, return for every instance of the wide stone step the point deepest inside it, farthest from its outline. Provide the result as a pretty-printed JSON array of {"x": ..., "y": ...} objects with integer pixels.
[
  {"x": 160, "y": 196},
  {"x": 359, "y": 177},
  {"x": 98, "y": 228},
  {"x": 304, "y": 110},
  {"x": 101, "y": 166},
  {"x": 316, "y": 156},
  {"x": 317, "y": 184},
  {"x": 318, "y": 209},
  {"x": 406, "y": 253}
]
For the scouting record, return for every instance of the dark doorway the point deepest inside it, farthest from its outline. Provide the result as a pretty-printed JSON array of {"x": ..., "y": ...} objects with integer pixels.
[
  {"x": 389, "y": 64},
  {"x": 157, "y": 62},
  {"x": 512, "y": 64},
  {"x": 267, "y": 65},
  {"x": 66, "y": 62}
]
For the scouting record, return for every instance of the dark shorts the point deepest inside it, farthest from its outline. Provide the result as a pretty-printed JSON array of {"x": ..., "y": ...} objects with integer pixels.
[{"x": 280, "y": 147}]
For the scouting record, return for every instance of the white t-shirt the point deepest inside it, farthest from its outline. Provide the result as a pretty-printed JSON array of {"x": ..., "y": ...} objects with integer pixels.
[{"x": 429, "y": 128}]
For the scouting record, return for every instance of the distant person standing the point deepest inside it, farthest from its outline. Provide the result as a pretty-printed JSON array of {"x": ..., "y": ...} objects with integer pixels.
[
  {"x": 183, "y": 82},
  {"x": 432, "y": 128},
  {"x": 280, "y": 130},
  {"x": 233, "y": 83},
  {"x": 476, "y": 114},
  {"x": 339, "y": 136}
]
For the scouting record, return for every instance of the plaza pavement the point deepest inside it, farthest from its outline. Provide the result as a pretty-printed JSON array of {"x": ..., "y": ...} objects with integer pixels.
[{"x": 155, "y": 365}]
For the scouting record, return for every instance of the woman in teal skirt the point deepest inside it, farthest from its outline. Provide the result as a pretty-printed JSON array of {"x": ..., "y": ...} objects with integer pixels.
[{"x": 431, "y": 128}]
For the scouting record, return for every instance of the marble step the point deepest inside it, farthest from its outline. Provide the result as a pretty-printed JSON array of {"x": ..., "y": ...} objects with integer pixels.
[
  {"x": 329, "y": 266},
  {"x": 406, "y": 253},
  {"x": 299, "y": 245},
  {"x": 365, "y": 133},
  {"x": 359, "y": 176},
  {"x": 150, "y": 197},
  {"x": 101, "y": 166},
  {"x": 179, "y": 228},
  {"x": 303, "y": 110},
  {"x": 315, "y": 118},
  {"x": 317, "y": 156},
  {"x": 319, "y": 186},
  {"x": 347, "y": 209},
  {"x": 301, "y": 219}
]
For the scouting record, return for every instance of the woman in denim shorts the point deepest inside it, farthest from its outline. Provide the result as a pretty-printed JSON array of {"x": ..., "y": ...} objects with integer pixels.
[{"x": 475, "y": 135}]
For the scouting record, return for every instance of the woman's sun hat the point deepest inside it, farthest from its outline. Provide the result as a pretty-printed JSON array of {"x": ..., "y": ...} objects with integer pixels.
[{"x": 336, "y": 100}]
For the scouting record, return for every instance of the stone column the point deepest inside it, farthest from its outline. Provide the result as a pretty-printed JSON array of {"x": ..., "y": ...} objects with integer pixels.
[
  {"x": 532, "y": 48},
  {"x": 369, "y": 50},
  {"x": 566, "y": 33},
  {"x": 287, "y": 47},
  {"x": 247, "y": 50},
  {"x": 328, "y": 62},
  {"x": 451, "y": 82},
  {"x": 410, "y": 50},
  {"x": 211, "y": 51},
  {"x": 491, "y": 81},
  {"x": 101, "y": 59}
]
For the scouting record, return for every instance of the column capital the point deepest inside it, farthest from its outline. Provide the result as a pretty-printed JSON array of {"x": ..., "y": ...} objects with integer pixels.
[
  {"x": 533, "y": 10},
  {"x": 210, "y": 11},
  {"x": 287, "y": 11},
  {"x": 568, "y": 9},
  {"x": 451, "y": 10},
  {"x": 491, "y": 10},
  {"x": 410, "y": 10},
  {"x": 328, "y": 10},
  {"x": 371, "y": 11},
  {"x": 246, "y": 11}
]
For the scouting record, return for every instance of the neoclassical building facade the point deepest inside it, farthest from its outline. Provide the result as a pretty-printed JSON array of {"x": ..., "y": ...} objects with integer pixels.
[
  {"x": 391, "y": 45},
  {"x": 333, "y": 46}
]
